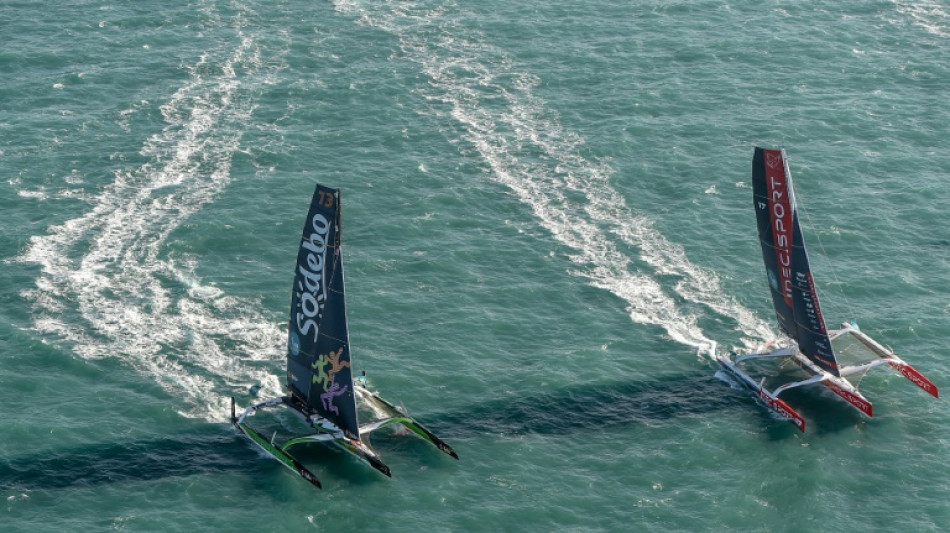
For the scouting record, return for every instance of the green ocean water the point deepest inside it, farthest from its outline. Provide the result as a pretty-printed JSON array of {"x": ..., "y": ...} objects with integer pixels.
[{"x": 546, "y": 209}]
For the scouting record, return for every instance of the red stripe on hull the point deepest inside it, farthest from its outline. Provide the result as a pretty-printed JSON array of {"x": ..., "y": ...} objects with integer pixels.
[
  {"x": 857, "y": 401},
  {"x": 782, "y": 409},
  {"x": 915, "y": 377}
]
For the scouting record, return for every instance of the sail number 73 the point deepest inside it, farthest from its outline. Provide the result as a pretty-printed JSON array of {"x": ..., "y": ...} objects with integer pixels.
[{"x": 325, "y": 199}]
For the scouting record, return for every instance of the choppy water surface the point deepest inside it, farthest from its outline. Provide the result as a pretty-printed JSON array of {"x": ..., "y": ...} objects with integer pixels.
[{"x": 546, "y": 210}]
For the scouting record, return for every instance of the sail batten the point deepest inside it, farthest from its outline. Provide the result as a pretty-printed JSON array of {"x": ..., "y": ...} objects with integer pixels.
[
  {"x": 318, "y": 347},
  {"x": 794, "y": 295}
]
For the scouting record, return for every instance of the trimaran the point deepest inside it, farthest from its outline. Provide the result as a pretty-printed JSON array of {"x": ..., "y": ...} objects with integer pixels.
[
  {"x": 806, "y": 341},
  {"x": 319, "y": 373}
]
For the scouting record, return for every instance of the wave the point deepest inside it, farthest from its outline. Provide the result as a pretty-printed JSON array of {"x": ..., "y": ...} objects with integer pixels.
[
  {"x": 929, "y": 15},
  {"x": 541, "y": 163},
  {"x": 107, "y": 285}
]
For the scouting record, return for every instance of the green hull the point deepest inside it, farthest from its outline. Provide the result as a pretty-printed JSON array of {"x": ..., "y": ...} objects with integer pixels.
[
  {"x": 277, "y": 453},
  {"x": 412, "y": 425},
  {"x": 358, "y": 448}
]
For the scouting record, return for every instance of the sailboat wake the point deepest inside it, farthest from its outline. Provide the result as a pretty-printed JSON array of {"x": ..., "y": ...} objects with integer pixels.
[
  {"x": 109, "y": 288},
  {"x": 529, "y": 152}
]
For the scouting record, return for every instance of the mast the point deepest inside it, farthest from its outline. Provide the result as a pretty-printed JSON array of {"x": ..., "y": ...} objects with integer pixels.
[
  {"x": 794, "y": 294},
  {"x": 318, "y": 347}
]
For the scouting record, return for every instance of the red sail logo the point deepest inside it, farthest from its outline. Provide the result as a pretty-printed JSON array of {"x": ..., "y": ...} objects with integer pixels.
[{"x": 780, "y": 214}]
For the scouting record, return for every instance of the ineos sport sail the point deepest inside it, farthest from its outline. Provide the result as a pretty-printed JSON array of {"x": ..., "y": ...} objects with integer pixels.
[
  {"x": 806, "y": 341},
  {"x": 319, "y": 367},
  {"x": 786, "y": 262}
]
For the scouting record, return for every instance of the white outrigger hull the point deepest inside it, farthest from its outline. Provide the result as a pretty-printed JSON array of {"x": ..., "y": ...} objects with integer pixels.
[{"x": 731, "y": 363}]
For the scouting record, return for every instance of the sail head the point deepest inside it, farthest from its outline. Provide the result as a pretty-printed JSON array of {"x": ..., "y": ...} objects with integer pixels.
[
  {"x": 318, "y": 347},
  {"x": 794, "y": 294}
]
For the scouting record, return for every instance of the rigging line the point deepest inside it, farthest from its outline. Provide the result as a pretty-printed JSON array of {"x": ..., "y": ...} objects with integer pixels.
[{"x": 831, "y": 266}]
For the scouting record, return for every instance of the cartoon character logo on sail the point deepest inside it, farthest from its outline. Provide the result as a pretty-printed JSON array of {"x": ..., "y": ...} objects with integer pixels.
[
  {"x": 324, "y": 377},
  {"x": 310, "y": 290}
]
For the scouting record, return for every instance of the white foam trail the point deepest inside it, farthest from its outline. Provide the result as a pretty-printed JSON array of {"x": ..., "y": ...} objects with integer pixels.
[
  {"x": 541, "y": 163},
  {"x": 106, "y": 286}
]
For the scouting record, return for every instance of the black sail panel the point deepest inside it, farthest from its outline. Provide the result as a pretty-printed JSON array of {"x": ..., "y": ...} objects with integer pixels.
[
  {"x": 318, "y": 352},
  {"x": 794, "y": 294},
  {"x": 331, "y": 388}
]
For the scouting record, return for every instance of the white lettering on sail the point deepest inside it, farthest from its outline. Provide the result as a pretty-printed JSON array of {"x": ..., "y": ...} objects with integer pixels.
[
  {"x": 310, "y": 291},
  {"x": 781, "y": 220}
]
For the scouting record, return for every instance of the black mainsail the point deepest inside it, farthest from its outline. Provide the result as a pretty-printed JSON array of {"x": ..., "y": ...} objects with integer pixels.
[
  {"x": 794, "y": 294},
  {"x": 319, "y": 375},
  {"x": 319, "y": 372}
]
